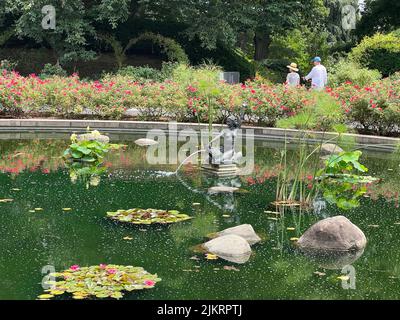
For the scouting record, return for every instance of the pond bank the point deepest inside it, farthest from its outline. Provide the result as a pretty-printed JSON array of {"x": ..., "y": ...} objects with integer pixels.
[{"x": 260, "y": 133}]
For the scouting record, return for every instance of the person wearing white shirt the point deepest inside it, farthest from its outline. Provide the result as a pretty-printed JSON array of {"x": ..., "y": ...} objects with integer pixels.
[
  {"x": 293, "y": 78},
  {"x": 318, "y": 75}
]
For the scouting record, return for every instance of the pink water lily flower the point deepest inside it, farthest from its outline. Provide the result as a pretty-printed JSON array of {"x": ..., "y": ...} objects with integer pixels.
[
  {"x": 112, "y": 271},
  {"x": 75, "y": 267},
  {"x": 149, "y": 283}
]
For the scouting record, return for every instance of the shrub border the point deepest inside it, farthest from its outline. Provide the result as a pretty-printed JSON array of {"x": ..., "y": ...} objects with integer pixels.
[{"x": 378, "y": 143}]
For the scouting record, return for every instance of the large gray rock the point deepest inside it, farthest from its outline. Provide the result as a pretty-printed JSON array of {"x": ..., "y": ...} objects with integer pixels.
[
  {"x": 245, "y": 231},
  {"x": 329, "y": 149},
  {"x": 93, "y": 137},
  {"x": 336, "y": 233},
  {"x": 230, "y": 247}
]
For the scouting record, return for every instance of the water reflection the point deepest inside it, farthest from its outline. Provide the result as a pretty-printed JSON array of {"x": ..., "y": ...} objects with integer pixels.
[
  {"x": 89, "y": 174},
  {"x": 332, "y": 260}
]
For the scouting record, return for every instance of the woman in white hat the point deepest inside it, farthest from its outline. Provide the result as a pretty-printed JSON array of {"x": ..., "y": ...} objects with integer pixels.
[{"x": 293, "y": 78}]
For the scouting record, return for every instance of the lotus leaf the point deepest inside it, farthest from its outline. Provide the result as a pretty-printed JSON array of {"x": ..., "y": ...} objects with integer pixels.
[
  {"x": 102, "y": 281},
  {"x": 148, "y": 216}
]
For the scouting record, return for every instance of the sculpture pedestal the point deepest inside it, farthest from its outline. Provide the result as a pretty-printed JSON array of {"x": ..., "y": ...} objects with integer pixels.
[{"x": 220, "y": 170}]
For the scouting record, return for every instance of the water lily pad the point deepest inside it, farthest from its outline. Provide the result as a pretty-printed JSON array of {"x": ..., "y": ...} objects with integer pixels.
[
  {"x": 45, "y": 296},
  {"x": 210, "y": 256},
  {"x": 148, "y": 216},
  {"x": 6, "y": 200},
  {"x": 102, "y": 281}
]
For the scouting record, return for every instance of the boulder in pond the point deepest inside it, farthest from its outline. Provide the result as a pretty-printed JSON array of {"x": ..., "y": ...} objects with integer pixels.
[
  {"x": 145, "y": 142},
  {"x": 328, "y": 149},
  {"x": 245, "y": 231},
  {"x": 229, "y": 247},
  {"x": 336, "y": 234},
  {"x": 92, "y": 136}
]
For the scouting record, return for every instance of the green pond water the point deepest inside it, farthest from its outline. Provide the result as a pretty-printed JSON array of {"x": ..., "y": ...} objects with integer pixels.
[{"x": 34, "y": 176}]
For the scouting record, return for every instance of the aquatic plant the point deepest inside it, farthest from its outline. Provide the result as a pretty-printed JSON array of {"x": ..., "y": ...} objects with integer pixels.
[
  {"x": 89, "y": 151},
  {"x": 102, "y": 281},
  {"x": 292, "y": 190},
  {"x": 148, "y": 216},
  {"x": 340, "y": 182}
]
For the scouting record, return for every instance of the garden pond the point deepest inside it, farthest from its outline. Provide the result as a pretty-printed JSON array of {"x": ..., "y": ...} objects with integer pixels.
[{"x": 51, "y": 218}]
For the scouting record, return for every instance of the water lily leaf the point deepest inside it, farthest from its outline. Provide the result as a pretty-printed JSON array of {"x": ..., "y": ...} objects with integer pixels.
[
  {"x": 45, "y": 296},
  {"x": 117, "y": 295},
  {"x": 6, "y": 200},
  {"x": 57, "y": 292},
  {"x": 210, "y": 256}
]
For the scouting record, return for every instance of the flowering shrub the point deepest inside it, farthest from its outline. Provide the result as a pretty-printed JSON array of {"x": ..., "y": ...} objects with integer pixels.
[{"x": 373, "y": 108}]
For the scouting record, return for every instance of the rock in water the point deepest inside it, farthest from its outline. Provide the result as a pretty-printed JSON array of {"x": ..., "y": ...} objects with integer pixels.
[
  {"x": 145, "y": 142},
  {"x": 93, "y": 137},
  {"x": 222, "y": 189},
  {"x": 230, "y": 247},
  {"x": 245, "y": 231},
  {"x": 328, "y": 149},
  {"x": 336, "y": 233}
]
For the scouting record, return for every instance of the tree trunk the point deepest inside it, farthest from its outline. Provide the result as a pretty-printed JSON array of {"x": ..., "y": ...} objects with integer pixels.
[{"x": 262, "y": 41}]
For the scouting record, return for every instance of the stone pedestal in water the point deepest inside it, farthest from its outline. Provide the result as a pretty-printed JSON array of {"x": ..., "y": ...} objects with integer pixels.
[{"x": 220, "y": 170}]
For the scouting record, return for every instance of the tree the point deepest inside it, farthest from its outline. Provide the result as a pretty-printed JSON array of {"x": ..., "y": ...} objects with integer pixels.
[
  {"x": 379, "y": 15},
  {"x": 221, "y": 21},
  {"x": 76, "y": 21}
]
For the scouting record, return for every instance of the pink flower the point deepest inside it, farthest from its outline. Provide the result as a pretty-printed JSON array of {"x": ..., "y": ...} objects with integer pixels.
[
  {"x": 75, "y": 267},
  {"x": 102, "y": 266},
  {"x": 112, "y": 271},
  {"x": 149, "y": 283}
]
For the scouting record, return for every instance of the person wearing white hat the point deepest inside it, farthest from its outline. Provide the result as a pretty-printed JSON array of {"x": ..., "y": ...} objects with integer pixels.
[
  {"x": 318, "y": 75},
  {"x": 293, "y": 78}
]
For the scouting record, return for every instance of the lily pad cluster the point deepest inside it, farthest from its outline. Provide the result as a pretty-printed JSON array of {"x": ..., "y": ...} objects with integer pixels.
[
  {"x": 102, "y": 281},
  {"x": 148, "y": 216}
]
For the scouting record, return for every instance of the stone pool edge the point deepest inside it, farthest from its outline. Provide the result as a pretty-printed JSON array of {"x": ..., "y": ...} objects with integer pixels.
[{"x": 68, "y": 125}]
